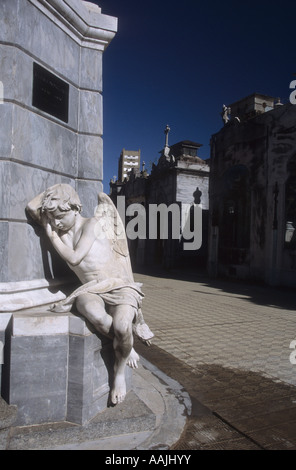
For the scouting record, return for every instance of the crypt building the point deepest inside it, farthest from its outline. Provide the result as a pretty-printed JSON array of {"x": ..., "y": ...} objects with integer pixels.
[
  {"x": 252, "y": 193},
  {"x": 180, "y": 178}
]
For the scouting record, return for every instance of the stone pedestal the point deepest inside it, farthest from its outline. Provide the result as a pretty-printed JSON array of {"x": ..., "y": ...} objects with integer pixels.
[
  {"x": 51, "y": 114},
  {"x": 55, "y": 369},
  {"x": 51, "y": 131}
]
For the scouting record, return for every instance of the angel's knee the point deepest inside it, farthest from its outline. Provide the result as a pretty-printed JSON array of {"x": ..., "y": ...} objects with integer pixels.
[{"x": 92, "y": 307}]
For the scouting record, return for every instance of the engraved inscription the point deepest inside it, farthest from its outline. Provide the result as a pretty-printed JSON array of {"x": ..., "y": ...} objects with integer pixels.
[{"x": 50, "y": 93}]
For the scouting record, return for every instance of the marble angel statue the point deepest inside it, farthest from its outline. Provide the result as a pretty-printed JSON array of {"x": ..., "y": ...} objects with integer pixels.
[{"x": 96, "y": 250}]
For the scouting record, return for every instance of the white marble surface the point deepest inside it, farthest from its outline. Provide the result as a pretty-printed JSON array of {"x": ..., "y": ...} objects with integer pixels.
[{"x": 38, "y": 150}]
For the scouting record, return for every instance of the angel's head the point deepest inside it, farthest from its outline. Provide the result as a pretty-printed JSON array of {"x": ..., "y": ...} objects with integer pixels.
[
  {"x": 62, "y": 197},
  {"x": 61, "y": 204}
]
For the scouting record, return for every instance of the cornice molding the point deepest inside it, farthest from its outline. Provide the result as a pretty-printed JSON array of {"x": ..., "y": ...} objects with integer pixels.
[{"x": 83, "y": 20}]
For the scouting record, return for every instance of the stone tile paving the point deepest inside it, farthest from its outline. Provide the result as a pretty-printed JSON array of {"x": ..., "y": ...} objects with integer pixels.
[
  {"x": 202, "y": 323},
  {"x": 228, "y": 344}
]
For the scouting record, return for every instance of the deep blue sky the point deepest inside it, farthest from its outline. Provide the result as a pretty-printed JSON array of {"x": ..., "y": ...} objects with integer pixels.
[{"x": 177, "y": 63}]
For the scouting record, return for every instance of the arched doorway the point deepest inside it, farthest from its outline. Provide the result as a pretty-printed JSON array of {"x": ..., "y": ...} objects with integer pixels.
[
  {"x": 234, "y": 240},
  {"x": 290, "y": 205}
]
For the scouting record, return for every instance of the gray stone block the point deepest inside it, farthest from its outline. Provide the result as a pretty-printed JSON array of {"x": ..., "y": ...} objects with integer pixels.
[
  {"x": 8, "y": 20},
  {"x": 5, "y": 131},
  {"x": 88, "y": 192},
  {"x": 90, "y": 372},
  {"x": 21, "y": 262},
  {"x": 90, "y": 162},
  {"x": 91, "y": 69},
  {"x": 90, "y": 366},
  {"x": 26, "y": 258},
  {"x": 16, "y": 74},
  {"x": 55, "y": 368},
  {"x": 38, "y": 378},
  {"x": 4, "y": 230},
  {"x": 23, "y": 182},
  {"x": 63, "y": 53},
  {"x": 44, "y": 143},
  {"x": 91, "y": 112}
]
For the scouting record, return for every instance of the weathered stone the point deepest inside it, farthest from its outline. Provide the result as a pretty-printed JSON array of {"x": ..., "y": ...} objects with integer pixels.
[
  {"x": 252, "y": 193},
  {"x": 7, "y": 419},
  {"x": 38, "y": 149},
  {"x": 55, "y": 368}
]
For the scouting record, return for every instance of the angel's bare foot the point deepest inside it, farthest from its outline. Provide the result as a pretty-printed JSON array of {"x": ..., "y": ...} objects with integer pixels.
[
  {"x": 118, "y": 392},
  {"x": 133, "y": 359}
]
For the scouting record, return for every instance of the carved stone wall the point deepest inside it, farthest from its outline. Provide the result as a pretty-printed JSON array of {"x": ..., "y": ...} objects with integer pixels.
[
  {"x": 51, "y": 131},
  {"x": 253, "y": 198}
]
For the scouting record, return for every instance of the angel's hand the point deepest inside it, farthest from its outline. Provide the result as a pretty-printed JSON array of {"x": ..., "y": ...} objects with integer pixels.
[
  {"x": 51, "y": 232},
  {"x": 44, "y": 220},
  {"x": 46, "y": 225},
  {"x": 48, "y": 229}
]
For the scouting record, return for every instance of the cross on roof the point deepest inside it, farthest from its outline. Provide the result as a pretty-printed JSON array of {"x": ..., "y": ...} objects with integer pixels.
[{"x": 166, "y": 131}]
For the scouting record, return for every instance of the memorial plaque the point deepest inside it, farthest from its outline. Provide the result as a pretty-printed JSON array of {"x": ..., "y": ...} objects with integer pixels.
[{"x": 50, "y": 93}]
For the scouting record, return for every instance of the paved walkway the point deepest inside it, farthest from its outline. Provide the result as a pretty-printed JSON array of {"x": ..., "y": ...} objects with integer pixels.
[{"x": 228, "y": 344}]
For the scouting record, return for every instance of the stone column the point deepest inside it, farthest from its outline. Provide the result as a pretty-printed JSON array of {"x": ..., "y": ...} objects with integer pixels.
[{"x": 51, "y": 131}]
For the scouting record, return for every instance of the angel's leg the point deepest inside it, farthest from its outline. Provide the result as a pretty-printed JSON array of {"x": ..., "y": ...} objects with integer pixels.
[
  {"x": 92, "y": 307},
  {"x": 123, "y": 346}
]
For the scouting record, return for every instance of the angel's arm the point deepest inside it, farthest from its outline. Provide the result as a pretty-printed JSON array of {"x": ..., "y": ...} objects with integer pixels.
[
  {"x": 74, "y": 256},
  {"x": 34, "y": 208}
]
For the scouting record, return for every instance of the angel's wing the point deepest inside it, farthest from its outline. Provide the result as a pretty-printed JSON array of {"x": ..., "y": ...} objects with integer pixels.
[{"x": 111, "y": 224}]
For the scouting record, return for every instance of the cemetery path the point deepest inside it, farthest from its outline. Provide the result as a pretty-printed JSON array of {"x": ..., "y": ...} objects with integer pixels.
[{"x": 230, "y": 344}]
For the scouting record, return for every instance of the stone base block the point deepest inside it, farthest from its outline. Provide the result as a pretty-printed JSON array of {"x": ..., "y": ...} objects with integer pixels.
[
  {"x": 131, "y": 416},
  {"x": 55, "y": 368}
]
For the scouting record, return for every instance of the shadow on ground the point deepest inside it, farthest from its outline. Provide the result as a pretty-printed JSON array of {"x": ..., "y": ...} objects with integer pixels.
[
  {"x": 232, "y": 409},
  {"x": 256, "y": 292}
]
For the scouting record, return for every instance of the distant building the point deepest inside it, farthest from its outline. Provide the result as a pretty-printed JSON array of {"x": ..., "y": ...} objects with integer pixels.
[
  {"x": 181, "y": 177},
  {"x": 251, "y": 106},
  {"x": 128, "y": 160},
  {"x": 252, "y": 193}
]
